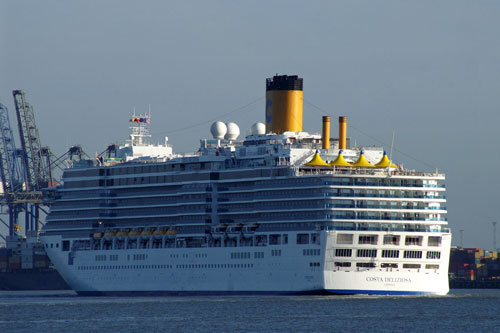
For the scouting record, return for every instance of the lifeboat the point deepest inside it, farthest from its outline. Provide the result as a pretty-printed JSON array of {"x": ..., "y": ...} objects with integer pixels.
[
  {"x": 160, "y": 232},
  {"x": 110, "y": 234},
  {"x": 145, "y": 234},
  {"x": 171, "y": 233},
  {"x": 122, "y": 233},
  {"x": 233, "y": 231},
  {"x": 249, "y": 229},
  {"x": 134, "y": 233},
  {"x": 219, "y": 231}
]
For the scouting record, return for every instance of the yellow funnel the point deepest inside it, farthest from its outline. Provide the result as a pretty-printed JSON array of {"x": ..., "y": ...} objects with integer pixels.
[
  {"x": 284, "y": 102},
  {"x": 342, "y": 132},
  {"x": 316, "y": 161},
  {"x": 384, "y": 162},
  {"x": 325, "y": 139},
  {"x": 362, "y": 162},
  {"x": 340, "y": 161}
]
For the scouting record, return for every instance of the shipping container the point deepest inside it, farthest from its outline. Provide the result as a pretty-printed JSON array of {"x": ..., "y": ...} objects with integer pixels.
[
  {"x": 15, "y": 260},
  {"x": 40, "y": 257},
  {"x": 482, "y": 271},
  {"x": 41, "y": 264},
  {"x": 15, "y": 265},
  {"x": 493, "y": 267},
  {"x": 27, "y": 259},
  {"x": 469, "y": 274},
  {"x": 27, "y": 265}
]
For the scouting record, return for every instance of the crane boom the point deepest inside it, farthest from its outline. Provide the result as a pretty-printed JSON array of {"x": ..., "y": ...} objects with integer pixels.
[
  {"x": 10, "y": 170},
  {"x": 35, "y": 157}
]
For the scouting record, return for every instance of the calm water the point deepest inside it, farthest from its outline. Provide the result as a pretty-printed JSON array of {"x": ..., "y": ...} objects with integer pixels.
[{"x": 460, "y": 311}]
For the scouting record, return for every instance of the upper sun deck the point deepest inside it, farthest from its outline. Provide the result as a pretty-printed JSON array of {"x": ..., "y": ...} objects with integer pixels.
[{"x": 300, "y": 151}]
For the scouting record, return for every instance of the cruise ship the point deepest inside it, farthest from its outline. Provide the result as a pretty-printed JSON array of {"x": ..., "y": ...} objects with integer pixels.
[{"x": 281, "y": 211}]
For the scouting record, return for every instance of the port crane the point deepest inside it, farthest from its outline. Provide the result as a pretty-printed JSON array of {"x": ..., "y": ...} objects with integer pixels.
[
  {"x": 27, "y": 172},
  {"x": 11, "y": 172}
]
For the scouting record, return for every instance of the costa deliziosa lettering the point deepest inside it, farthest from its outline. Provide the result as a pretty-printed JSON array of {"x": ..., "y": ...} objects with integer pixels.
[{"x": 388, "y": 279}]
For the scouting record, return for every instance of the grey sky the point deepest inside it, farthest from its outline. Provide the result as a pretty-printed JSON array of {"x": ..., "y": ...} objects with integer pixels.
[{"x": 428, "y": 70}]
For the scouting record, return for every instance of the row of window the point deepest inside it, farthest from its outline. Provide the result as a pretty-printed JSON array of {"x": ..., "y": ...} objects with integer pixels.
[
  {"x": 138, "y": 257},
  {"x": 193, "y": 242},
  {"x": 177, "y": 255},
  {"x": 275, "y": 253},
  {"x": 384, "y": 265},
  {"x": 240, "y": 255},
  {"x": 180, "y": 266},
  {"x": 311, "y": 252},
  {"x": 372, "y": 253},
  {"x": 388, "y": 240},
  {"x": 161, "y": 168}
]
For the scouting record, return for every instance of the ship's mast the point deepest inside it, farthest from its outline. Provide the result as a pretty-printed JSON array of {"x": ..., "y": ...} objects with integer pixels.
[{"x": 139, "y": 129}]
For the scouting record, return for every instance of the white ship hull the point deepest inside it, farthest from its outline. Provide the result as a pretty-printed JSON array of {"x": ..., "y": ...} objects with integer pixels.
[{"x": 207, "y": 271}]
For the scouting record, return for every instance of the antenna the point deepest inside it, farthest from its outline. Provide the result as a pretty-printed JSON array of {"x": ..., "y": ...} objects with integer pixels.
[
  {"x": 390, "y": 154},
  {"x": 392, "y": 145},
  {"x": 494, "y": 236},
  {"x": 462, "y": 238}
]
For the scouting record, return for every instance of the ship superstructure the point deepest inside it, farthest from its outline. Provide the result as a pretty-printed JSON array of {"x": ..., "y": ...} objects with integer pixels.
[{"x": 281, "y": 211}]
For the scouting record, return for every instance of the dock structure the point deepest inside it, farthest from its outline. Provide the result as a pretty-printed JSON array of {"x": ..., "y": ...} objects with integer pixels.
[{"x": 474, "y": 268}]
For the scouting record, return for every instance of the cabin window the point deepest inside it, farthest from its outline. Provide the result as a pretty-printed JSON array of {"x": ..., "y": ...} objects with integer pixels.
[
  {"x": 434, "y": 241},
  {"x": 433, "y": 255},
  {"x": 315, "y": 239},
  {"x": 413, "y": 254},
  {"x": 368, "y": 239},
  {"x": 386, "y": 265},
  {"x": 391, "y": 240},
  {"x": 285, "y": 239},
  {"x": 342, "y": 264},
  {"x": 302, "y": 238},
  {"x": 275, "y": 239},
  {"x": 390, "y": 253},
  {"x": 344, "y": 238},
  {"x": 413, "y": 240},
  {"x": 367, "y": 253},
  {"x": 365, "y": 264},
  {"x": 343, "y": 252}
]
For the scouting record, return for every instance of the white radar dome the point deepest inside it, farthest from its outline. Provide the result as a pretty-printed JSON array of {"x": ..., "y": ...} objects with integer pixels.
[
  {"x": 233, "y": 131},
  {"x": 258, "y": 128},
  {"x": 218, "y": 130}
]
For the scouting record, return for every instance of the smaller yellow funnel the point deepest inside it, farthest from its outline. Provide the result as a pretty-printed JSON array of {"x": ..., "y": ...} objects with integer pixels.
[{"x": 325, "y": 139}]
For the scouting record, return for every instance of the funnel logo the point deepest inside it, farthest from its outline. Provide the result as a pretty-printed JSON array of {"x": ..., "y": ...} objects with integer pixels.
[{"x": 268, "y": 111}]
